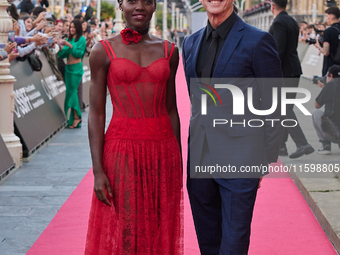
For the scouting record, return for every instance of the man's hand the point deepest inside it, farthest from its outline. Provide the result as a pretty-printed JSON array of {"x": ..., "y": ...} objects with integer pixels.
[
  {"x": 323, "y": 50},
  {"x": 320, "y": 84},
  {"x": 260, "y": 183}
]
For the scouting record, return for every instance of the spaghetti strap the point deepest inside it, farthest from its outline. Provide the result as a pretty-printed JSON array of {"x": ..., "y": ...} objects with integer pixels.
[
  {"x": 106, "y": 48},
  {"x": 172, "y": 50},
  {"x": 166, "y": 48},
  {"x": 112, "y": 52}
]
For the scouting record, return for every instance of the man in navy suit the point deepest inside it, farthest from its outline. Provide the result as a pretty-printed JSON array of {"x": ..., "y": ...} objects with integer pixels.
[{"x": 222, "y": 206}]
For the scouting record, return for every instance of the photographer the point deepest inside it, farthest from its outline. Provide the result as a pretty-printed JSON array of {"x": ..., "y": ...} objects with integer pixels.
[
  {"x": 330, "y": 38},
  {"x": 327, "y": 96}
]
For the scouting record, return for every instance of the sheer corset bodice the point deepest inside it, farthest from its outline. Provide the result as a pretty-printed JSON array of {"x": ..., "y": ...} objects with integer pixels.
[{"x": 138, "y": 95}]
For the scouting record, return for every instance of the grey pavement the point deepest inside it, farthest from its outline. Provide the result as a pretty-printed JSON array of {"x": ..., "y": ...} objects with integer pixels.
[
  {"x": 32, "y": 195},
  {"x": 321, "y": 191}
]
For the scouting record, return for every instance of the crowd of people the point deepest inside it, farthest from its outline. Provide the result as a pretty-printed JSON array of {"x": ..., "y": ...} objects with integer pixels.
[
  {"x": 35, "y": 28},
  {"x": 326, "y": 38},
  {"x": 64, "y": 40}
]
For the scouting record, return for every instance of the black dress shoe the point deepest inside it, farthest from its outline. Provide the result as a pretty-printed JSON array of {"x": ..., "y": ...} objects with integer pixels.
[
  {"x": 283, "y": 151},
  {"x": 302, "y": 150}
]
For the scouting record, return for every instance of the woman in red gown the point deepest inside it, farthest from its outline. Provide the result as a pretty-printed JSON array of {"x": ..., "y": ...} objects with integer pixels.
[{"x": 137, "y": 201}]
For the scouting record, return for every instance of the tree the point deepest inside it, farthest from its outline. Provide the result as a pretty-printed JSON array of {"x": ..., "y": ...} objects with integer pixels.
[
  {"x": 159, "y": 16},
  {"x": 107, "y": 11}
]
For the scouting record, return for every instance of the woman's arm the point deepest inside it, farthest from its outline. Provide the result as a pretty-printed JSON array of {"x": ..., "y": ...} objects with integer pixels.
[
  {"x": 171, "y": 104},
  {"x": 78, "y": 48},
  {"x": 64, "y": 52},
  {"x": 40, "y": 17},
  {"x": 26, "y": 50},
  {"x": 32, "y": 32},
  {"x": 99, "y": 63}
]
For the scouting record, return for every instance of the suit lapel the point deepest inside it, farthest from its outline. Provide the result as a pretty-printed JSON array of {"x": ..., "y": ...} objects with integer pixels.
[{"x": 228, "y": 49}]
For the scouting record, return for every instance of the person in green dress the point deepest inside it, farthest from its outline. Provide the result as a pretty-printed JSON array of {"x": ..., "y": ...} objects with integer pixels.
[{"x": 73, "y": 48}]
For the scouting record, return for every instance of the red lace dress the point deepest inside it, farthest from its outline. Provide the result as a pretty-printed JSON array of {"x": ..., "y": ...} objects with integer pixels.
[{"x": 142, "y": 160}]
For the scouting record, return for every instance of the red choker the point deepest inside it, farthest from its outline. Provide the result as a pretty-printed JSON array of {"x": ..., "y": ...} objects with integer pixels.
[{"x": 129, "y": 36}]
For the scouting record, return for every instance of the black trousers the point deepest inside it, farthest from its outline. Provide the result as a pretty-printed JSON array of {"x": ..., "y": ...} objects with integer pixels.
[{"x": 295, "y": 132}]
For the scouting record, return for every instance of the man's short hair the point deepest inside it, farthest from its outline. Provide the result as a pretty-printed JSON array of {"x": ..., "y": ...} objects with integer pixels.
[
  {"x": 333, "y": 10},
  {"x": 37, "y": 10},
  {"x": 78, "y": 16},
  {"x": 334, "y": 70},
  {"x": 280, "y": 3}
]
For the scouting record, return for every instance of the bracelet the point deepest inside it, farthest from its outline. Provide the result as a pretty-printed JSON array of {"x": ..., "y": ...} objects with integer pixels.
[{"x": 29, "y": 40}]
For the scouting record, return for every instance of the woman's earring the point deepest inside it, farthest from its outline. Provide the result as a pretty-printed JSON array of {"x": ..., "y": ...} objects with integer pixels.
[{"x": 120, "y": 8}]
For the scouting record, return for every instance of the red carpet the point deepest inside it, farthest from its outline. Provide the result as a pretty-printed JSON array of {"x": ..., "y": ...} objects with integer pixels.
[{"x": 283, "y": 223}]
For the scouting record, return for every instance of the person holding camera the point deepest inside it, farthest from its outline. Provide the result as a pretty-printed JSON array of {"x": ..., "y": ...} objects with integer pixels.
[
  {"x": 330, "y": 38},
  {"x": 285, "y": 31},
  {"x": 328, "y": 95}
]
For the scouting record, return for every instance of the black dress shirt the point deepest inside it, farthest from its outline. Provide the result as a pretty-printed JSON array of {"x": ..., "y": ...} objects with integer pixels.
[{"x": 223, "y": 31}]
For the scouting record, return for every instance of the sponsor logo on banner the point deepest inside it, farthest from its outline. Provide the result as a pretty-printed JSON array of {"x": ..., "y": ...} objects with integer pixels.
[
  {"x": 26, "y": 99},
  {"x": 52, "y": 86}
]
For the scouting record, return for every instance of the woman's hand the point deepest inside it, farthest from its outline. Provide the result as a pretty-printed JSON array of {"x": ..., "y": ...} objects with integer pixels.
[
  {"x": 41, "y": 41},
  {"x": 13, "y": 55},
  {"x": 16, "y": 28},
  {"x": 41, "y": 16},
  {"x": 36, "y": 38},
  {"x": 41, "y": 25},
  {"x": 66, "y": 43},
  {"x": 101, "y": 184},
  {"x": 10, "y": 46}
]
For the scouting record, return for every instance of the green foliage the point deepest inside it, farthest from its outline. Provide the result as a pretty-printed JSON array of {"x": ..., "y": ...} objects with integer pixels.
[
  {"x": 194, "y": 2},
  {"x": 159, "y": 16},
  {"x": 107, "y": 11}
]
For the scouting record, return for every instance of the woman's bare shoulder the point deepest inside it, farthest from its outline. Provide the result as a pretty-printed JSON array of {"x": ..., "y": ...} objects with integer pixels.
[
  {"x": 117, "y": 38},
  {"x": 98, "y": 53}
]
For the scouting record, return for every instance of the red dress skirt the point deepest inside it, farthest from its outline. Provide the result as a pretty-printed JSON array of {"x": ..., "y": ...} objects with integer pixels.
[{"x": 143, "y": 163}]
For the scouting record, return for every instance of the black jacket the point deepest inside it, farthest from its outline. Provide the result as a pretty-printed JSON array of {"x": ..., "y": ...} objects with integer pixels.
[
  {"x": 89, "y": 12},
  {"x": 26, "y": 6},
  {"x": 286, "y": 34},
  {"x": 44, "y": 2}
]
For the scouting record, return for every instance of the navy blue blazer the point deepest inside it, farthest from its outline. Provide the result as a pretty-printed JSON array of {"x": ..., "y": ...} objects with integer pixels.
[{"x": 248, "y": 57}]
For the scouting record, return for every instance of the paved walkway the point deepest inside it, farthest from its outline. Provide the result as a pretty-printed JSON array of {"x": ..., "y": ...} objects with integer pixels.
[
  {"x": 322, "y": 192},
  {"x": 32, "y": 195}
]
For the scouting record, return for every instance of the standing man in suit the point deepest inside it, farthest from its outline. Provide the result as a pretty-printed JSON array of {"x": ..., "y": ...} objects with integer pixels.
[
  {"x": 228, "y": 48},
  {"x": 285, "y": 31},
  {"x": 89, "y": 10}
]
